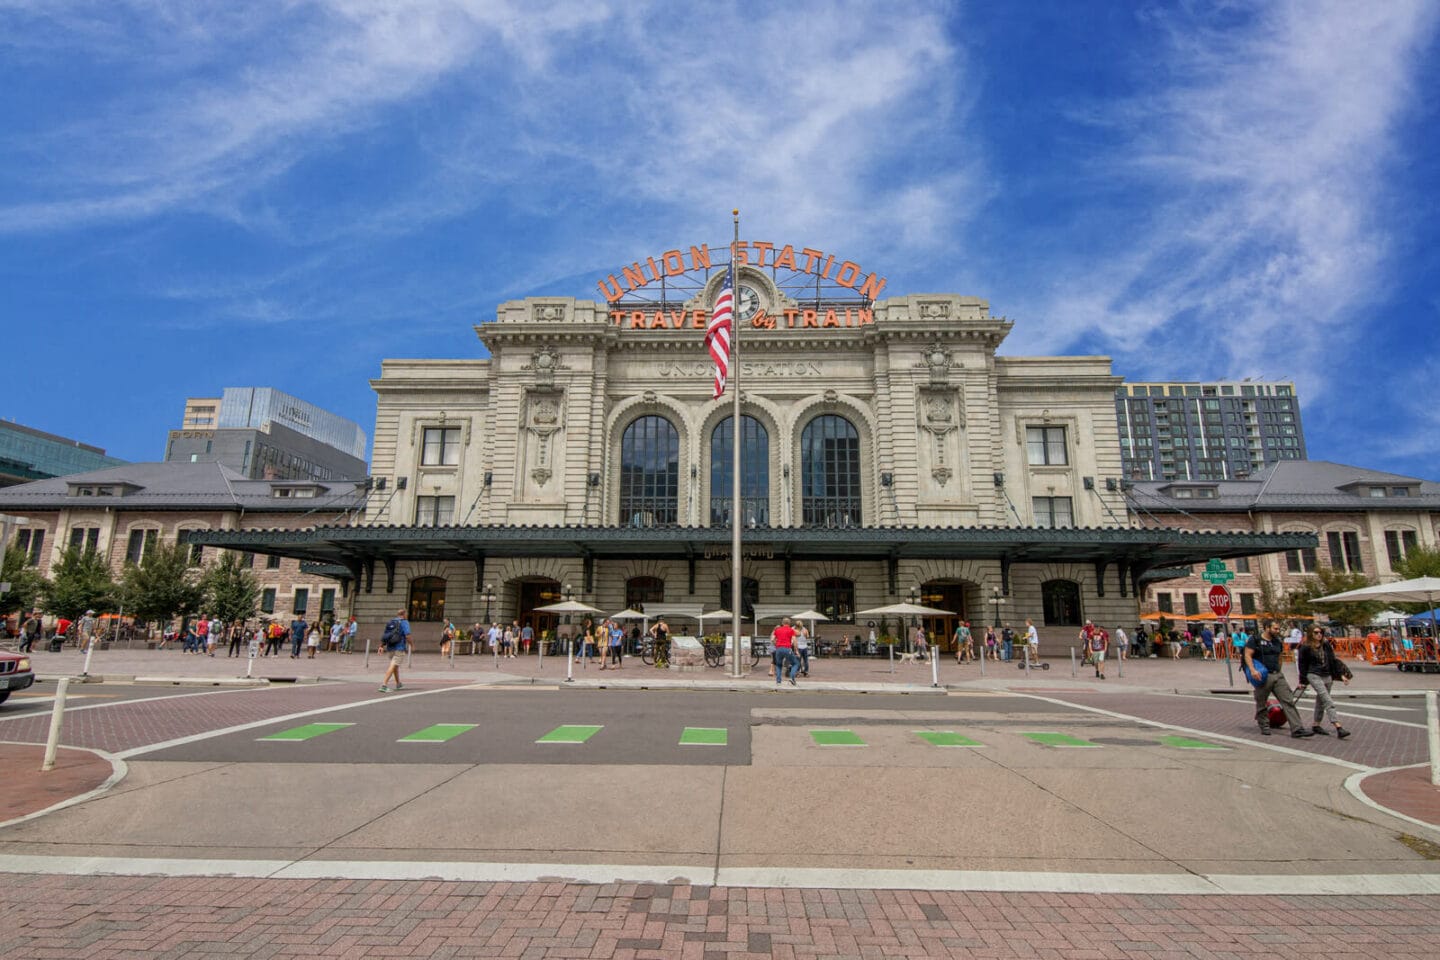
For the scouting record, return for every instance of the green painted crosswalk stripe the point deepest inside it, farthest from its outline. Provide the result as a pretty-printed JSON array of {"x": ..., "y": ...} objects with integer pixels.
[
  {"x": 946, "y": 738},
  {"x": 570, "y": 733},
  {"x": 439, "y": 733},
  {"x": 1186, "y": 743},
  {"x": 308, "y": 732},
  {"x": 836, "y": 738},
  {"x": 705, "y": 736},
  {"x": 1058, "y": 740}
]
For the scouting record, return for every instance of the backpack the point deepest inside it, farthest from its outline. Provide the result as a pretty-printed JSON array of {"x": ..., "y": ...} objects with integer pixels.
[{"x": 391, "y": 637}]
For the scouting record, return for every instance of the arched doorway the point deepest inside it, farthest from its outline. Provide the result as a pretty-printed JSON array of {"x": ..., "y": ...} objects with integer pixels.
[
  {"x": 539, "y": 592},
  {"x": 944, "y": 595}
]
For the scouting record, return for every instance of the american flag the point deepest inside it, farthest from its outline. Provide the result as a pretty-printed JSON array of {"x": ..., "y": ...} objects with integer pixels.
[{"x": 717, "y": 334}]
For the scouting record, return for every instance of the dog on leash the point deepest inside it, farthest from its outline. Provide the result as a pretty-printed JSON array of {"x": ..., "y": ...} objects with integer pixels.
[{"x": 905, "y": 657}]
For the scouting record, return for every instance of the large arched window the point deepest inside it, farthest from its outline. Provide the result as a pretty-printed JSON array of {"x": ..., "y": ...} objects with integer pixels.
[
  {"x": 1061, "y": 599},
  {"x": 649, "y": 473},
  {"x": 830, "y": 473},
  {"x": 642, "y": 590},
  {"x": 427, "y": 599},
  {"x": 754, "y": 473},
  {"x": 835, "y": 597}
]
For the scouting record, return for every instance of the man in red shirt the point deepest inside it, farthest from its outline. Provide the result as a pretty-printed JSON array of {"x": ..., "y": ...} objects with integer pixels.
[{"x": 783, "y": 639}]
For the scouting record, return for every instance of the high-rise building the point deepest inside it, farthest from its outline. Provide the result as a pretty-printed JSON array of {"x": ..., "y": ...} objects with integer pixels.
[
  {"x": 1222, "y": 430},
  {"x": 265, "y": 434},
  {"x": 28, "y": 454}
]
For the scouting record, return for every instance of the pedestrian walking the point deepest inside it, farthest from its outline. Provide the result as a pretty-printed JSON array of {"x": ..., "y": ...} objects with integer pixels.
[
  {"x": 1266, "y": 651},
  {"x": 312, "y": 640},
  {"x": 351, "y": 629},
  {"x": 298, "y": 629},
  {"x": 782, "y": 640},
  {"x": 30, "y": 632},
  {"x": 396, "y": 641},
  {"x": 237, "y": 637},
  {"x": 616, "y": 640},
  {"x": 964, "y": 643},
  {"x": 802, "y": 649},
  {"x": 1319, "y": 668},
  {"x": 1122, "y": 643}
]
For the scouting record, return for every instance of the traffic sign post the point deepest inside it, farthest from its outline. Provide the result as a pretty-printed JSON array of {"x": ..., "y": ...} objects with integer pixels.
[
  {"x": 1217, "y": 573},
  {"x": 1219, "y": 599}
]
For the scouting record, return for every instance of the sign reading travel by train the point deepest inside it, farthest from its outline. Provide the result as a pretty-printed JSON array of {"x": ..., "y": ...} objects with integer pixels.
[{"x": 758, "y": 253}]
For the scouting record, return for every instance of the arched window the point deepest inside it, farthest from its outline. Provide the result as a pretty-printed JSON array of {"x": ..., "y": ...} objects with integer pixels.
[
  {"x": 754, "y": 473},
  {"x": 649, "y": 473},
  {"x": 642, "y": 590},
  {"x": 830, "y": 473},
  {"x": 427, "y": 599},
  {"x": 835, "y": 597},
  {"x": 749, "y": 596},
  {"x": 1061, "y": 599}
]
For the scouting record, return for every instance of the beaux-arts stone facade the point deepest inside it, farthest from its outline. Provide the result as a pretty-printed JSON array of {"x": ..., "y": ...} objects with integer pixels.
[{"x": 939, "y": 432}]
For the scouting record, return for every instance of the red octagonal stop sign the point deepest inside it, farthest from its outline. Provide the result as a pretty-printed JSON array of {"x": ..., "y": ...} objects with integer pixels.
[{"x": 1219, "y": 601}]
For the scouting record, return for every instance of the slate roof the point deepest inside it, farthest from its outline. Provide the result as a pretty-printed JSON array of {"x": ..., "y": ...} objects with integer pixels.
[
  {"x": 1289, "y": 485},
  {"x": 179, "y": 486}
]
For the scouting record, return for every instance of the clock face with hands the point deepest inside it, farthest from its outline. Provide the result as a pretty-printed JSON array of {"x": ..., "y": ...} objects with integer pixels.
[{"x": 747, "y": 302}]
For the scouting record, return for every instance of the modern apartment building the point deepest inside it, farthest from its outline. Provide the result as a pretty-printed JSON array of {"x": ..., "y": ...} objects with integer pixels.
[
  {"x": 28, "y": 454},
  {"x": 264, "y": 434},
  {"x": 1222, "y": 430}
]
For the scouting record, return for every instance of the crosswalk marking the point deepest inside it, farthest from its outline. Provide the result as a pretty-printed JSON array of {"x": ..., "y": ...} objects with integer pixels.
[
  {"x": 836, "y": 738},
  {"x": 1188, "y": 743},
  {"x": 705, "y": 736},
  {"x": 308, "y": 732},
  {"x": 438, "y": 733},
  {"x": 1058, "y": 740},
  {"x": 946, "y": 738},
  {"x": 570, "y": 733}
]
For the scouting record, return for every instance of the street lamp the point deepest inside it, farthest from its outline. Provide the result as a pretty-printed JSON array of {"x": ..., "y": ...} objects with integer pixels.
[
  {"x": 489, "y": 597},
  {"x": 997, "y": 599}
]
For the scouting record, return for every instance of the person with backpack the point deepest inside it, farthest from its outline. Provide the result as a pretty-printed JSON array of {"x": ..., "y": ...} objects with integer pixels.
[{"x": 396, "y": 641}]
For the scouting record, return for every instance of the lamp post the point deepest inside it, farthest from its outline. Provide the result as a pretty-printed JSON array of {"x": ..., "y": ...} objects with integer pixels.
[
  {"x": 997, "y": 599},
  {"x": 489, "y": 597}
]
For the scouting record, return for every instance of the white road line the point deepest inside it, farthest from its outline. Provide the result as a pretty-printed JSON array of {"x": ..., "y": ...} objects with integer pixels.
[
  {"x": 1354, "y": 783},
  {"x": 1287, "y": 884},
  {"x": 126, "y": 703},
  {"x": 241, "y": 728}
]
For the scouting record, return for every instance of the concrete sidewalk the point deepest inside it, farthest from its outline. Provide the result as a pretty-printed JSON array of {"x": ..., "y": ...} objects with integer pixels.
[{"x": 850, "y": 673}]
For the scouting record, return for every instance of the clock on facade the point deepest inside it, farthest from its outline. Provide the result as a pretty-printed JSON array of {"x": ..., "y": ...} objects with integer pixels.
[{"x": 747, "y": 302}]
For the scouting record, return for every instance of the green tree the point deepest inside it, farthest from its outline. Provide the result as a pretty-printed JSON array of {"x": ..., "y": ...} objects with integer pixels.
[
  {"x": 231, "y": 591},
  {"x": 1419, "y": 562},
  {"x": 163, "y": 584},
  {"x": 1272, "y": 598},
  {"x": 80, "y": 581},
  {"x": 26, "y": 584},
  {"x": 1328, "y": 580}
]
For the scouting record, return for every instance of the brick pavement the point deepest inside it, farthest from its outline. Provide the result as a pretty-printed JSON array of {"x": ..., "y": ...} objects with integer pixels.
[{"x": 128, "y": 918}]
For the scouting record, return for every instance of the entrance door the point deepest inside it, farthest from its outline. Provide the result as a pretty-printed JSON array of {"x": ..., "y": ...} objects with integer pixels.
[
  {"x": 944, "y": 596},
  {"x": 539, "y": 593}
]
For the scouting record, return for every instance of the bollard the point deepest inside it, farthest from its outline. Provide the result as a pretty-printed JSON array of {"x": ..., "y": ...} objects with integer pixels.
[
  {"x": 452, "y": 653},
  {"x": 409, "y": 652},
  {"x": 57, "y": 720},
  {"x": 89, "y": 649},
  {"x": 1230, "y": 669},
  {"x": 1027, "y": 661},
  {"x": 540, "y": 652},
  {"x": 569, "y": 662},
  {"x": 495, "y": 653},
  {"x": 1120, "y": 665},
  {"x": 935, "y": 667},
  {"x": 1073, "y": 668},
  {"x": 891, "y": 647},
  {"x": 367, "y": 653},
  {"x": 1432, "y": 727},
  {"x": 982, "y": 658}
]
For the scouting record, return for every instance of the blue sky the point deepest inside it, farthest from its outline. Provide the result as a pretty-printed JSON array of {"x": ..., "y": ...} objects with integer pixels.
[{"x": 200, "y": 194}]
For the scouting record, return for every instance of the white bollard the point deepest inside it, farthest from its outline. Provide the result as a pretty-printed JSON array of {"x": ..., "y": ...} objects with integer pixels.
[
  {"x": 367, "y": 653},
  {"x": 89, "y": 650},
  {"x": 1074, "y": 671},
  {"x": 934, "y": 666},
  {"x": 982, "y": 658},
  {"x": 569, "y": 662},
  {"x": 891, "y": 648},
  {"x": 57, "y": 720},
  {"x": 1432, "y": 727},
  {"x": 1027, "y": 661}
]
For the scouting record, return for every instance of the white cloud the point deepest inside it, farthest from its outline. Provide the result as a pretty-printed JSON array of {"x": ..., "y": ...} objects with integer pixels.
[{"x": 1257, "y": 171}]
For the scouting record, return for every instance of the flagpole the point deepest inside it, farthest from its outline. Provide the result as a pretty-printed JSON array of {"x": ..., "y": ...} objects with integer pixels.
[{"x": 736, "y": 435}]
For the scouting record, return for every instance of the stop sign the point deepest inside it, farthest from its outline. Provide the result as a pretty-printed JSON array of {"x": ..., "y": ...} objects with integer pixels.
[{"x": 1219, "y": 601}]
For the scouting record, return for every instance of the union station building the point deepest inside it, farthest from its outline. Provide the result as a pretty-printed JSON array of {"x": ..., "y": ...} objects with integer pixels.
[{"x": 888, "y": 453}]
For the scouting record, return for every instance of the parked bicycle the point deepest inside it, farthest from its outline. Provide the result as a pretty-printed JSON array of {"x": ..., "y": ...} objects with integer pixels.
[
  {"x": 655, "y": 654},
  {"x": 714, "y": 652}
]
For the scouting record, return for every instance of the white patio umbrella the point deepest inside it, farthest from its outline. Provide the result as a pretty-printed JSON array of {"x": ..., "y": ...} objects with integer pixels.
[
  {"x": 812, "y": 616},
  {"x": 629, "y": 614},
  {"x": 905, "y": 610},
  {"x": 569, "y": 606},
  {"x": 1419, "y": 590}
]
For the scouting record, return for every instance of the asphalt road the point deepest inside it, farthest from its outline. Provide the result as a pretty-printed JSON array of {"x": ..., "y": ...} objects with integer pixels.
[{"x": 39, "y": 698}]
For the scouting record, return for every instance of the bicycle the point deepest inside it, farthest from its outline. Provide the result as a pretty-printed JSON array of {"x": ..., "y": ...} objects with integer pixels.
[
  {"x": 758, "y": 648},
  {"x": 655, "y": 655},
  {"x": 714, "y": 652}
]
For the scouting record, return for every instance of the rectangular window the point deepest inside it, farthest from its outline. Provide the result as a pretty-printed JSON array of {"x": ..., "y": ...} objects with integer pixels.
[
  {"x": 1052, "y": 511},
  {"x": 1045, "y": 446},
  {"x": 327, "y": 600},
  {"x": 434, "y": 511},
  {"x": 272, "y": 562},
  {"x": 267, "y": 600},
  {"x": 140, "y": 544},
  {"x": 1392, "y": 547},
  {"x": 1247, "y": 604},
  {"x": 1409, "y": 540},
  {"x": 1242, "y": 564},
  {"x": 1163, "y": 602},
  {"x": 197, "y": 554},
  {"x": 1192, "y": 604},
  {"x": 1337, "y": 553},
  {"x": 1353, "y": 560},
  {"x": 30, "y": 543},
  {"x": 302, "y": 600},
  {"x": 441, "y": 447},
  {"x": 247, "y": 560},
  {"x": 77, "y": 538}
]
